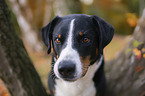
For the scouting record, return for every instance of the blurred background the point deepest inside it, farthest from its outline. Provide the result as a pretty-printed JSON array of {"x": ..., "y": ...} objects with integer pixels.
[{"x": 29, "y": 16}]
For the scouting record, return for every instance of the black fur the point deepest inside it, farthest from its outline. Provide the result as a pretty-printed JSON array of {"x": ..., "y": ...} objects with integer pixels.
[{"x": 95, "y": 28}]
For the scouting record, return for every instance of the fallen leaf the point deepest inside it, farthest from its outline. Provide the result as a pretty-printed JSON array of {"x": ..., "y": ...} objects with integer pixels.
[
  {"x": 136, "y": 43},
  {"x": 143, "y": 55},
  {"x": 143, "y": 49},
  {"x": 137, "y": 53},
  {"x": 135, "y": 50},
  {"x": 128, "y": 50},
  {"x": 131, "y": 19},
  {"x": 139, "y": 68},
  {"x": 5, "y": 94},
  {"x": 139, "y": 56}
]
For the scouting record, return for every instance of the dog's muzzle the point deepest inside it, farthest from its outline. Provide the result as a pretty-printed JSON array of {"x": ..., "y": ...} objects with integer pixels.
[{"x": 67, "y": 70}]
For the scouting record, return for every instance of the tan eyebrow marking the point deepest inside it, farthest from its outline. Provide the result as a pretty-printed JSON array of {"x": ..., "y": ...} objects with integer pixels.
[
  {"x": 81, "y": 33},
  {"x": 59, "y": 36}
]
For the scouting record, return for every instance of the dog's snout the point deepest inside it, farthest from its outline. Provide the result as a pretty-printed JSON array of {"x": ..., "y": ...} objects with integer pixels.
[{"x": 66, "y": 68}]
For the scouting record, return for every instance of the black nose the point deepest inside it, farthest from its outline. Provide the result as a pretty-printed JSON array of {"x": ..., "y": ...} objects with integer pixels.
[{"x": 66, "y": 69}]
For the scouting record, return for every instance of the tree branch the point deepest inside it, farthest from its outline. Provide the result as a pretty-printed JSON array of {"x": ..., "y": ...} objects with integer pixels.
[
  {"x": 16, "y": 69},
  {"x": 126, "y": 74}
]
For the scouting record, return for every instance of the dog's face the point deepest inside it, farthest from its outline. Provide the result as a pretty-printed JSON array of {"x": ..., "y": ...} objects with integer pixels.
[{"x": 78, "y": 41}]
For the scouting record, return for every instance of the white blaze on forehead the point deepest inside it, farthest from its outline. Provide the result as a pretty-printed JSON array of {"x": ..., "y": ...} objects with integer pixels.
[
  {"x": 68, "y": 53},
  {"x": 70, "y": 40}
]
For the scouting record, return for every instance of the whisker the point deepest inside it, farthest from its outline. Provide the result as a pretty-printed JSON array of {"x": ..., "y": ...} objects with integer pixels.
[{"x": 52, "y": 75}]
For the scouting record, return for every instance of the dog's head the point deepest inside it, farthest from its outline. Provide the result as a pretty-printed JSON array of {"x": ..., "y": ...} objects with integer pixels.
[{"x": 78, "y": 40}]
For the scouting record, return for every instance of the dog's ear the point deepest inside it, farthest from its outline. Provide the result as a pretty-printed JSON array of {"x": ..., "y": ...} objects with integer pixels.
[
  {"x": 46, "y": 33},
  {"x": 105, "y": 32}
]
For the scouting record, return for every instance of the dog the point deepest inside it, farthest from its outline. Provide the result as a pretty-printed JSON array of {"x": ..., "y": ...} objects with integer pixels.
[{"x": 78, "y": 41}]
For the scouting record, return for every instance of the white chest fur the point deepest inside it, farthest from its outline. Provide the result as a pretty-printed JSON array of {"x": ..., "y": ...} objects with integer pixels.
[{"x": 81, "y": 87}]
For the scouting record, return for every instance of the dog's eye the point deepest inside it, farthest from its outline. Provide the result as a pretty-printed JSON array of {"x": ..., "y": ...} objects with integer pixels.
[
  {"x": 58, "y": 40},
  {"x": 86, "y": 39}
]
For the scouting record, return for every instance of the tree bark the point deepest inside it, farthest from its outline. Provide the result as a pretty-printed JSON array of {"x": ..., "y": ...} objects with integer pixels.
[
  {"x": 126, "y": 74},
  {"x": 16, "y": 69}
]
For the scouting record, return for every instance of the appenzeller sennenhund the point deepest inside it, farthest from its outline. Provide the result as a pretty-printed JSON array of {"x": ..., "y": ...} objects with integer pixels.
[{"x": 78, "y": 41}]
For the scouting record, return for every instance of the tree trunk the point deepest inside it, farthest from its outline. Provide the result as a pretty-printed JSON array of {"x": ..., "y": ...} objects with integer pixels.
[
  {"x": 126, "y": 74},
  {"x": 16, "y": 69}
]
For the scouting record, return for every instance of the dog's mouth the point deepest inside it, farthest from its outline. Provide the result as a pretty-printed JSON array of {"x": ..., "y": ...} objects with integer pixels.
[
  {"x": 85, "y": 69},
  {"x": 69, "y": 79},
  {"x": 72, "y": 75}
]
